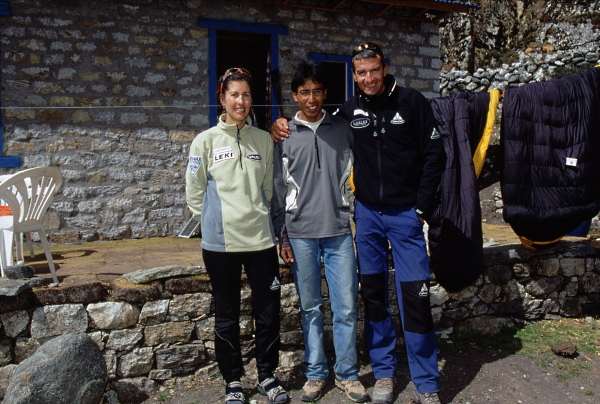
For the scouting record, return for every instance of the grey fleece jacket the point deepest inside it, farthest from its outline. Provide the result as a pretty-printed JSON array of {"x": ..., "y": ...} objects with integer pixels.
[{"x": 311, "y": 171}]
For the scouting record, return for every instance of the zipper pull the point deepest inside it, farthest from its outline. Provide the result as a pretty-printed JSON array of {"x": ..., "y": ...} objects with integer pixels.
[{"x": 239, "y": 147}]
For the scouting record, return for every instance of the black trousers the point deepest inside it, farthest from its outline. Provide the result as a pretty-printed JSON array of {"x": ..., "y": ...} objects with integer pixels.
[{"x": 225, "y": 271}]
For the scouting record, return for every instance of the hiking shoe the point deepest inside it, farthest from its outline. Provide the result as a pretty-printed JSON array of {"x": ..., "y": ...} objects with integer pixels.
[
  {"x": 353, "y": 389},
  {"x": 383, "y": 392},
  {"x": 234, "y": 394},
  {"x": 274, "y": 392},
  {"x": 312, "y": 390},
  {"x": 426, "y": 398}
]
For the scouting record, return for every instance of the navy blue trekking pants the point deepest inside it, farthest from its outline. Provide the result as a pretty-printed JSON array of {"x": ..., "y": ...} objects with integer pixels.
[{"x": 378, "y": 227}]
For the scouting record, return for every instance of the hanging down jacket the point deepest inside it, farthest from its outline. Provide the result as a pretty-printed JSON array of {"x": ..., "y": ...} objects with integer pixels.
[
  {"x": 455, "y": 233},
  {"x": 551, "y": 142}
]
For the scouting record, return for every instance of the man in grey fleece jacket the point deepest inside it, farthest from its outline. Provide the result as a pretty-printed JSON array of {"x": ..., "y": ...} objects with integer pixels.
[{"x": 311, "y": 216}]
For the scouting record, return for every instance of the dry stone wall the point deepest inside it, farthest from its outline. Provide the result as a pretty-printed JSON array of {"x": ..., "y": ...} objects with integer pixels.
[
  {"x": 156, "y": 325},
  {"x": 113, "y": 92}
]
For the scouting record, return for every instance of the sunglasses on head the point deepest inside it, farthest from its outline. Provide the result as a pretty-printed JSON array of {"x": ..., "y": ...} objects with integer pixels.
[
  {"x": 367, "y": 46},
  {"x": 229, "y": 72}
]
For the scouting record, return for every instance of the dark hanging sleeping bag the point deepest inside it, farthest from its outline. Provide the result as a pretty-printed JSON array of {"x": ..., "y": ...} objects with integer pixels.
[
  {"x": 550, "y": 138},
  {"x": 455, "y": 233}
]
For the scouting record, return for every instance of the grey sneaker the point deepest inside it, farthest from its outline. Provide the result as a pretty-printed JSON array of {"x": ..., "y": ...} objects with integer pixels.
[
  {"x": 353, "y": 389},
  {"x": 312, "y": 390},
  {"x": 426, "y": 398},
  {"x": 234, "y": 393},
  {"x": 274, "y": 392},
  {"x": 383, "y": 392}
]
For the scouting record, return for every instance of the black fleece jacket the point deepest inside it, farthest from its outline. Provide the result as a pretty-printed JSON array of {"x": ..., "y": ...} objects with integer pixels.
[{"x": 399, "y": 154}]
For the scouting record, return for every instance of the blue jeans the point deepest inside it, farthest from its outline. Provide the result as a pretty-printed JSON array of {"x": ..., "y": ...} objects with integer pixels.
[{"x": 342, "y": 281}]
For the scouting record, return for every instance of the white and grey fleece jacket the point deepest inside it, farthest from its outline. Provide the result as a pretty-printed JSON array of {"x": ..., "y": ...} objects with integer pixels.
[
  {"x": 311, "y": 171},
  {"x": 229, "y": 184}
]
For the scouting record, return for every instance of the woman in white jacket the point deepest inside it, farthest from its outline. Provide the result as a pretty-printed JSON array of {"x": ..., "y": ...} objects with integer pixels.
[{"x": 229, "y": 184}]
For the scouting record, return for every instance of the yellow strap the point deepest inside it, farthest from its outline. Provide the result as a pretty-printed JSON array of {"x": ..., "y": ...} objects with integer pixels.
[
  {"x": 531, "y": 244},
  {"x": 352, "y": 179},
  {"x": 480, "y": 152}
]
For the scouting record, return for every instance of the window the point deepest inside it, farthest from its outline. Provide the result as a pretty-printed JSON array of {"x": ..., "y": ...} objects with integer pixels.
[{"x": 339, "y": 76}]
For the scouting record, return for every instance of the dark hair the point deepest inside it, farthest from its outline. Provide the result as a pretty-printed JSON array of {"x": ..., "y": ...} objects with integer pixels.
[
  {"x": 308, "y": 70},
  {"x": 368, "y": 50},
  {"x": 233, "y": 74}
]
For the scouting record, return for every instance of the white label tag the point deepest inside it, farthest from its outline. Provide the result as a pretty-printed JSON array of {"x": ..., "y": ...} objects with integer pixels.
[{"x": 571, "y": 162}]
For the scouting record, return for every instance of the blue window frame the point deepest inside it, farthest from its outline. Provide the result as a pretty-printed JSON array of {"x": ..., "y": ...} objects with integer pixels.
[
  {"x": 239, "y": 26},
  {"x": 325, "y": 57},
  {"x": 5, "y": 161}
]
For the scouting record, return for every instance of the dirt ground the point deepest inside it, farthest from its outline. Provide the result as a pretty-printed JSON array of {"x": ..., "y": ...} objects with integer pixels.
[{"x": 468, "y": 378}]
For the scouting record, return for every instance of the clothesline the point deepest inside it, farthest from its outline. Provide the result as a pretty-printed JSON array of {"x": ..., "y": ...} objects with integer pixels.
[{"x": 150, "y": 106}]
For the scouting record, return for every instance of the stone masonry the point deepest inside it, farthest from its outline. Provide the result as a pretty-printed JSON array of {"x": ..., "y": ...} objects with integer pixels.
[
  {"x": 156, "y": 325},
  {"x": 112, "y": 93}
]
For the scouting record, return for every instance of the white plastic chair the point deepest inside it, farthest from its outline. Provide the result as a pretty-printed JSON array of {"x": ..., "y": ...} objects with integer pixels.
[{"x": 29, "y": 193}]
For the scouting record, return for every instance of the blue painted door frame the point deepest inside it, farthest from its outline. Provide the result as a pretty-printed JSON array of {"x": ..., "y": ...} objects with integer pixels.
[
  {"x": 240, "y": 26},
  {"x": 5, "y": 161}
]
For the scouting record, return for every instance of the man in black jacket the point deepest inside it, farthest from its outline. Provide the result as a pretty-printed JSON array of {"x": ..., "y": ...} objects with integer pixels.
[{"x": 399, "y": 160}]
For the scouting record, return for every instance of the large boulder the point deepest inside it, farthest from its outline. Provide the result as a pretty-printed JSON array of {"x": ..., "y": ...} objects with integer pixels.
[{"x": 67, "y": 369}]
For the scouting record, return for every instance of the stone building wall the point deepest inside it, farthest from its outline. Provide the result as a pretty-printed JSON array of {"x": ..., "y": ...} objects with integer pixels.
[
  {"x": 155, "y": 325},
  {"x": 113, "y": 92}
]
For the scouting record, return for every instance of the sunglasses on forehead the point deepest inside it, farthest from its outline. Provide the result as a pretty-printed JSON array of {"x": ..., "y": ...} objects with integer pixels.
[
  {"x": 232, "y": 71},
  {"x": 235, "y": 70},
  {"x": 367, "y": 46}
]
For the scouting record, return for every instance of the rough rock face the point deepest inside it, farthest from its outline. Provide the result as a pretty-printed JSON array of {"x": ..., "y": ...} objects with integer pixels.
[
  {"x": 506, "y": 31},
  {"x": 68, "y": 369}
]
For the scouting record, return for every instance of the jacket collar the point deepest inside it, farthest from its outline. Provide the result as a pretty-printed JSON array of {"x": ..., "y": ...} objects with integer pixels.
[
  {"x": 326, "y": 119},
  {"x": 233, "y": 127}
]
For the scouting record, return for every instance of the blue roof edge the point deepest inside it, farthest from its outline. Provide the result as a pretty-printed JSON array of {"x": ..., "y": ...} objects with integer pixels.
[{"x": 462, "y": 3}]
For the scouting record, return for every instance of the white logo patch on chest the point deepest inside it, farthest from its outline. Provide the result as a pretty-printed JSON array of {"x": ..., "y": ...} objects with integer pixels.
[
  {"x": 397, "y": 120},
  {"x": 224, "y": 156},
  {"x": 360, "y": 123}
]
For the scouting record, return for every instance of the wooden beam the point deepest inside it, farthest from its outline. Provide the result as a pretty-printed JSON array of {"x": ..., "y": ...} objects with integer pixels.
[
  {"x": 286, "y": 3},
  {"x": 382, "y": 12},
  {"x": 421, "y": 5}
]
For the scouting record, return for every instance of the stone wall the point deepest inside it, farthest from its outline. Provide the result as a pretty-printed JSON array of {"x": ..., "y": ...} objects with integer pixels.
[
  {"x": 112, "y": 93},
  {"x": 540, "y": 67},
  {"x": 156, "y": 325}
]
